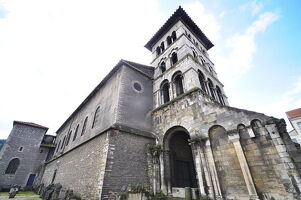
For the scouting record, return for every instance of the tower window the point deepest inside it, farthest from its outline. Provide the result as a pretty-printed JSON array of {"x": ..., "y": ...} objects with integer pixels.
[
  {"x": 220, "y": 95},
  {"x": 96, "y": 117},
  {"x": 173, "y": 36},
  {"x": 174, "y": 58},
  {"x": 169, "y": 40},
  {"x": 202, "y": 80},
  {"x": 20, "y": 149},
  {"x": 165, "y": 91},
  {"x": 12, "y": 166},
  {"x": 178, "y": 83},
  {"x": 158, "y": 50},
  {"x": 163, "y": 67},
  {"x": 162, "y": 46},
  {"x": 211, "y": 88},
  {"x": 84, "y": 126}
]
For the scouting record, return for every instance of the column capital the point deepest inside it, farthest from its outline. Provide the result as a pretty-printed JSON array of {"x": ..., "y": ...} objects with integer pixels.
[{"x": 198, "y": 140}]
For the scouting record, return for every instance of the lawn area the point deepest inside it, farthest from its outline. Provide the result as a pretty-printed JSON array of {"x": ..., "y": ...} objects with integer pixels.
[{"x": 21, "y": 196}]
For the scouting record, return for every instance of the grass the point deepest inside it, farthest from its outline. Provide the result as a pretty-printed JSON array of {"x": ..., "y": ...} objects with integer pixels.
[{"x": 21, "y": 196}]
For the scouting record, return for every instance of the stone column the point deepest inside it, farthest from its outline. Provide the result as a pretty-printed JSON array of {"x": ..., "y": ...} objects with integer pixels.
[
  {"x": 162, "y": 174},
  {"x": 234, "y": 138},
  {"x": 206, "y": 170},
  {"x": 207, "y": 87},
  {"x": 195, "y": 146},
  {"x": 156, "y": 175},
  {"x": 213, "y": 172}
]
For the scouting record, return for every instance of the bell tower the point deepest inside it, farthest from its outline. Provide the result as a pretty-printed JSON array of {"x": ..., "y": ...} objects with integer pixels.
[{"x": 181, "y": 62}]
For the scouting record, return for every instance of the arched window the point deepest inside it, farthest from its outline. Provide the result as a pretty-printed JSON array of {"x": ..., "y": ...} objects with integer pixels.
[
  {"x": 189, "y": 36},
  {"x": 163, "y": 67},
  {"x": 194, "y": 54},
  {"x": 174, "y": 58},
  {"x": 75, "y": 133},
  {"x": 162, "y": 46},
  {"x": 158, "y": 50},
  {"x": 96, "y": 117},
  {"x": 63, "y": 143},
  {"x": 53, "y": 176},
  {"x": 84, "y": 126},
  {"x": 165, "y": 91},
  {"x": 168, "y": 40},
  {"x": 202, "y": 60},
  {"x": 173, "y": 36},
  {"x": 12, "y": 166},
  {"x": 211, "y": 88},
  {"x": 178, "y": 83},
  {"x": 58, "y": 146},
  {"x": 220, "y": 95},
  {"x": 68, "y": 138},
  {"x": 202, "y": 80}
]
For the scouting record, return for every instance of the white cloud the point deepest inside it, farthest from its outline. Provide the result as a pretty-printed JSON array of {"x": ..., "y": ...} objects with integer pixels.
[
  {"x": 289, "y": 100},
  {"x": 254, "y": 7},
  {"x": 54, "y": 52},
  {"x": 241, "y": 49},
  {"x": 206, "y": 21}
]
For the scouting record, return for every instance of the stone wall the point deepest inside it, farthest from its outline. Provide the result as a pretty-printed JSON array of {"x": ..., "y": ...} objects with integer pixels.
[
  {"x": 262, "y": 161},
  {"x": 106, "y": 98},
  {"x": 127, "y": 162},
  {"x": 134, "y": 107},
  {"x": 266, "y": 167},
  {"x": 31, "y": 156},
  {"x": 81, "y": 169},
  {"x": 227, "y": 165}
]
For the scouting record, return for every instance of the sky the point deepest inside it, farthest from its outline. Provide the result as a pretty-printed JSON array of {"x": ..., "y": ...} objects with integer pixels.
[{"x": 53, "y": 53}]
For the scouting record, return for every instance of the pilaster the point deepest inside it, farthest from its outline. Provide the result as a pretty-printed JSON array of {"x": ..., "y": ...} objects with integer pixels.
[{"x": 234, "y": 138}]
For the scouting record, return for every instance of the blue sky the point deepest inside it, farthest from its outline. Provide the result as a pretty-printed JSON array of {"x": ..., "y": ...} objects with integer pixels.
[{"x": 54, "y": 52}]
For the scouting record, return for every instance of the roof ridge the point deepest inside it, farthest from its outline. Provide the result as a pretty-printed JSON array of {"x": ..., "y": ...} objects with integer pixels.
[{"x": 30, "y": 124}]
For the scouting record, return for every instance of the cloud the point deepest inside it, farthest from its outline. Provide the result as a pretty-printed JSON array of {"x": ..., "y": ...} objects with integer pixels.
[
  {"x": 254, "y": 7},
  {"x": 206, "y": 21},
  {"x": 3, "y": 11},
  {"x": 54, "y": 52},
  {"x": 241, "y": 49},
  {"x": 289, "y": 100}
]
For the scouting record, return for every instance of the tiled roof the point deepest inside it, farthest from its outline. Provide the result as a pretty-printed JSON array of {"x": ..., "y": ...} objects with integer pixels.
[
  {"x": 31, "y": 124},
  {"x": 148, "y": 70},
  {"x": 294, "y": 113},
  {"x": 179, "y": 14}
]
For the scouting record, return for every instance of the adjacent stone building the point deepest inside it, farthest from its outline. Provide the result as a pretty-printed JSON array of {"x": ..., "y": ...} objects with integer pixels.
[
  {"x": 22, "y": 156},
  {"x": 294, "y": 116},
  {"x": 169, "y": 126}
]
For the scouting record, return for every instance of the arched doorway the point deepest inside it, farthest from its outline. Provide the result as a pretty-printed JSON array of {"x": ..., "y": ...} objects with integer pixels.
[{"x": 181, "y": 165}]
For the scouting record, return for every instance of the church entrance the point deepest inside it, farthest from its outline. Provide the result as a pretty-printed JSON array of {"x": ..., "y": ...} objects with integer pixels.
[{"x": 181, "y": 161}]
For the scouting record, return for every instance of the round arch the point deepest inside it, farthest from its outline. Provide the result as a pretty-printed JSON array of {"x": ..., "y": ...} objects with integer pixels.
[{"x": 179, "y": 164}]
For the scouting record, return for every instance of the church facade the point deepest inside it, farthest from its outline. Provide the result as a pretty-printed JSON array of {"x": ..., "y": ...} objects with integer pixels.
[{"x": 169, "y": 126}]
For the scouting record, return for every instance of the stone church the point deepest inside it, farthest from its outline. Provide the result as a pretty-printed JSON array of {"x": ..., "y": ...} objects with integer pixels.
[{"x": 169, "y": 126}]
